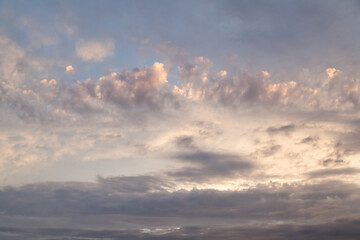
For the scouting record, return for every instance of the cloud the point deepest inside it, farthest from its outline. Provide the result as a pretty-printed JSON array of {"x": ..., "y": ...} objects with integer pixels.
[
  {"x": 46, "y": 82},
  {"x": 147, "y": 88},
  {"x": 331, "y": 161},
  {"x": 333, "y": 172},
  {"x": 287, "y": 202},
  {"x": 200, "y": 82},
  {"x": 142, "y": 91},
  {"x": 134, "y": 184},
  {"x": 270, "y": 150},
  {"x": 94, "y": 50},
  {"x": 283, "y": 129},
  {"x": 69, "y": 69},
  {"x": 309, "y": 139},
  {"x": 205, "y": 142},
  {"x": 347, "y": 229},
  {"x": 185, "y": 142},
  {"x": 211, "y": 166},
  {"x": 332, "y": 72},
  {"x": 11, "y": 56},
  {"x": 144, "y": 87}
]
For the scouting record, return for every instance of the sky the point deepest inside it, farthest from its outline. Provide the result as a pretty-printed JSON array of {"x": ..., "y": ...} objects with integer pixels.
[{"x": 179, "y": 120}]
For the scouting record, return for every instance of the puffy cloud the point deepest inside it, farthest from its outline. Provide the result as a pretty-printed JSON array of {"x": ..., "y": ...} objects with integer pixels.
[
  {"x": 196, "y": 71},
  {"x": 94, "y": 50},
  {"x": 332, "y": 72},
  {"x": 142, "y": 87},
  {"x": 139, "y": 91},
  {"x": 240, "y": 89},
  {"x": 46, "y": 82},
  {"x": 69, "y": 69},
  {"x": 199, "y": 82},
  {"x": 222, "y": 73},
  {"x": 148, "y": 88},
  {"x": 233, "y": 88},
  {"x": 344, "y": 91}
]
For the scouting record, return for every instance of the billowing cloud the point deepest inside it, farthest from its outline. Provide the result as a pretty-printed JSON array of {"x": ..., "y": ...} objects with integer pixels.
[
  {"x": 140, "y": 87},
  {"x": 200, "y": 82}
]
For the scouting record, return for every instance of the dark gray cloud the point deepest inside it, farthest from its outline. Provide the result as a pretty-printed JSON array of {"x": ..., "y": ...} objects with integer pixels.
[
  {"x": 309, "y": 139},
  {"x": 346, "y": 229},
  {"x": 133, "y": 184},
  {"x": 330, "y": 161},
  {"x": 284, "y": 202},
  {"x": 211, "y": 166},
  {"x": 282, "y": 129},
  {"x": 269, "y": 150},
  {"x": 348, "y": 143},
  {"x": 333, "y": 172},
  {"x": 185, "y": 142},
  {"x": 341, "y": 149}
]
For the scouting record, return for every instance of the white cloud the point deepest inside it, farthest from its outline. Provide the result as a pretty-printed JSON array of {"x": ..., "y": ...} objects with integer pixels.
[
  {"x": 222, "y": 73},
  {"x": 140, "y": 87},
  {"x": 332, "y": 72},
  {"x": 46, "y": 82},
  {"x": 69, "y": 69},
  {"x": 94, "y": 50}
]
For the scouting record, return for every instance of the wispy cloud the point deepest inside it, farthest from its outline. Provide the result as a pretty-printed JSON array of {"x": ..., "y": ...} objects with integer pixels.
[{"x": 94, "y": 50}]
